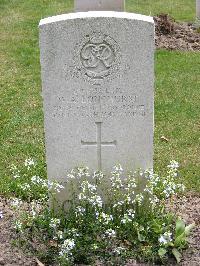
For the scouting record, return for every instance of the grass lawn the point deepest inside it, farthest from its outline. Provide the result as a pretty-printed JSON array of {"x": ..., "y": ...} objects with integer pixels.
[
  {"x": 179, "y": 9},
  {"x": 177, "y": 103}
]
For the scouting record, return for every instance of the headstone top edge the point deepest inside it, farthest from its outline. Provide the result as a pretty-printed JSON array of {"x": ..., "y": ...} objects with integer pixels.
[{"x": 96, "y": 14}]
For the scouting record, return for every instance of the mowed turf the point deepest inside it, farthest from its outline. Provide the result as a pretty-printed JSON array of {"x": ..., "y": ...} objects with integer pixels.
[
  {"x": 183, "y": 10},
  {"x": 177, "y": 103}
]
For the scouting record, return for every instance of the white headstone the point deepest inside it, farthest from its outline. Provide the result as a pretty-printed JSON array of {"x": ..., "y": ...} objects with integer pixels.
[
  {"x": 98, "y": 85},
  {"x": 198, "y": 9},
  {"x": 99, "y": 5}
]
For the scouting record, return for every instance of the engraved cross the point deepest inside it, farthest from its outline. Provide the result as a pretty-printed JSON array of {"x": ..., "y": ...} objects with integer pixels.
[{"x": 99, "y": 143}]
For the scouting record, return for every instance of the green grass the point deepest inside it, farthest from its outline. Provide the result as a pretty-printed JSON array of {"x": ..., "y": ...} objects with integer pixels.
[
  {"x": 183, "y": 10},
  {"x": 21, "y": 117},
  {"x": 177, "y": 109}
]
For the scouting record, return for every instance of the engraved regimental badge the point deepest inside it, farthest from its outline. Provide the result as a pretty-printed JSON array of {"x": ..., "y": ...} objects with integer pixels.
[{"x": 99, "y": 56}]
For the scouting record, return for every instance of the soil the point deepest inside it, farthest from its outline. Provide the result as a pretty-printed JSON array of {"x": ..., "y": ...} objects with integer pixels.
[
  {"x": 10, "y": 255},
  {"x": 187, "y": 207},
  {"x": 171, "y": 35}
]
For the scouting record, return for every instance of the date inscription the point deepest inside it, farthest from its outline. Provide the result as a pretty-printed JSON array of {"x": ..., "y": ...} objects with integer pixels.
[{"x": 99, "y": 104}]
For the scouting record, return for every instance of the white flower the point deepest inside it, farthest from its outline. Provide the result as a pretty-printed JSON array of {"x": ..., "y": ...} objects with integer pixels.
[
  {"x": 13, "y": 167},
  {"x": 139, "y": 198},
  {"x": 1, "y": 214},
  {"x": 95, "y": 246},
  {"x": 60, "y": 234},
  {"x": 92, "y": 187},
  {"x": 66, "y": 248},
  {"x": 105, "y": 218},
  {"x": 80, "y": 211},
  {"x": 173, "y": 165},
  {"x": 110, "y": 233},
  {"x": 71, "y": 175},
  {"x": 18, "y": 226},
  {"x": 118, "y": 168},
  {"x": 96, "y": 201},
  {"x": 16, "y": 203},
  {"x": 131, "y": 213},
  {"x": 154, "y": 200},
  {"x": 119, "y": 203},
  {"x": 149, "y": 173},
  {"x": 25, "y": 187},
  {"x": 181, "y": 187},
  {"x": 98, "y": 175},
  {"x": 119, "y": 250},
  {"x": 162, "y": 240},
  {"x": 128, "y": 217},
  {"x": 73, "y": 232},
  {"x": 55, "y": 186},
  {"x": 81, "y": 196},
  {"x": 141, "y": 173},
  {"x": 36, "y": 180},
  {"x": 29, "y": 162},
  {"x": 16, "y": 176},
  {"x": 54, "y": 223},
  {"x": 131, "y": 184},
  {"x": 33, "y": 213},
  {"x": 87, "y": 187},
  {"x": 165, "y": 238},
  {"x": 83, "y": 171},
  {"x": 116, "y": 181},
  {"x": 35, "y": 208}
]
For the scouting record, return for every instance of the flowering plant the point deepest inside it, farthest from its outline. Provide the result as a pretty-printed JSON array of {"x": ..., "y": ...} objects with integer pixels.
[{"x": 109, "y": 218}]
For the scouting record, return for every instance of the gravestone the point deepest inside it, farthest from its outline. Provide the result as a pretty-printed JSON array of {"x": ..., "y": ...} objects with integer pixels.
[
  {"x": 97, "y": 80},
  {"x": 198, "y": 9},
  {"x": 100, "y": 5}
]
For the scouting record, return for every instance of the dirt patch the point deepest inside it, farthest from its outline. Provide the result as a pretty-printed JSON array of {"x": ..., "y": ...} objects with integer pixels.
[
  {"x": 188, "y": 207},
  {"x": 172, "y": 35},
  {"x": 10, "y": 255}
]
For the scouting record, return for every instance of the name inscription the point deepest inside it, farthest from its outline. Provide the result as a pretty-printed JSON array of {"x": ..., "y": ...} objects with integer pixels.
[{"x": 99, "y": 104}]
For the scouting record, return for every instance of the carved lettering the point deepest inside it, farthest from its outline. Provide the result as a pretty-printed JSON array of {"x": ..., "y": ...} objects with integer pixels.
[{"x": 99, "y": 103}]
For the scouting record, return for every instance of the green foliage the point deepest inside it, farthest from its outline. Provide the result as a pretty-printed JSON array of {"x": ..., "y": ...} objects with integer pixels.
[
  {"x": 179, "y": 242},
  {"x": 107, "y": 217},
  {"x": 176, "y": 254},
  {"x": 181, "y": 233}
]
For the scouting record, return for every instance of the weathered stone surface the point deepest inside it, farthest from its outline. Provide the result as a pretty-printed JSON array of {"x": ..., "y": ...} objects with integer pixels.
[
  {"x": 97, "y": 79},
  {"x": 198, "y": 9},
  {"x": 99, "y": 5}
]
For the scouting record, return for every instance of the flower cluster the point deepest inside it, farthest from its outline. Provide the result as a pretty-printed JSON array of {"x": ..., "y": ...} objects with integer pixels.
[
  {"x": 18, "y": 225},
  {"x": 89, "y": 194},
  {"x": 54, "y": 223},
  {"x": 104, "y": 218},
  {"x": 117, "y": 215},
  {"x": 15, "y": 172},
  {"x": 29, "y": 163},
  {"x": 165, "y": 239},
  {"x": 36, "y": 180},
  {"x": 66, "y": 249},
  {"x": 116, "y": 178},
  {"x": 128, "y": 217},
  {"x": 78, "y": 173},
  {"x": 110, "y": 233},
  {"x": 16, "y": 203},
  {"x": 164, "y": 187}
]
